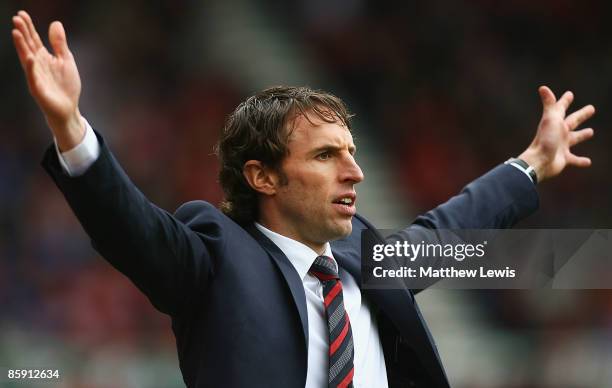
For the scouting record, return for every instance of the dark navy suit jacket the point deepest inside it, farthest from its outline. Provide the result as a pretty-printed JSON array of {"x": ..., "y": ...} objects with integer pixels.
[{"x": 237, "y": 305}]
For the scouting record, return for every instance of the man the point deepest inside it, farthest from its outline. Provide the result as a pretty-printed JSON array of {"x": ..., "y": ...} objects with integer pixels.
[{"x": 267, "y": 292}]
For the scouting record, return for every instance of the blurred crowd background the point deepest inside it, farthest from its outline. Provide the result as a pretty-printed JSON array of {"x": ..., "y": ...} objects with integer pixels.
[{"x": 443, "y": 91}]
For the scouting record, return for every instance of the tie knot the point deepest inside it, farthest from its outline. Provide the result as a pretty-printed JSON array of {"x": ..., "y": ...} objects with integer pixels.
[{"x": 324, "y": 268}]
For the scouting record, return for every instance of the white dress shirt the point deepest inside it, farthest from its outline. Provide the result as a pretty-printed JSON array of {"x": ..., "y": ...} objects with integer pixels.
[{"x": 369, "y": 361}]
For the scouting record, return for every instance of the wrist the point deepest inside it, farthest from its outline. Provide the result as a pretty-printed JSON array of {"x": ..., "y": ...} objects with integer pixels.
[
  {"x": 69, "y": 132},
  {"x": 535, "y": 161}
]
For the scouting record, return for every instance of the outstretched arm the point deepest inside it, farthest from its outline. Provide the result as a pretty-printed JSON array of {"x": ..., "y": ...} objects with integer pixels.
[
  {"x": 502, "y": 197},
  {"x": 158, "y": 251},
  {"x": 53, "y": 79}
]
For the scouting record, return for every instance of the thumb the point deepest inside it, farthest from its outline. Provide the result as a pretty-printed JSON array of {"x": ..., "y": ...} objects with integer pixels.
[
  {"x": 547, "y": 96},
  {"x": 57, "y": 38}
]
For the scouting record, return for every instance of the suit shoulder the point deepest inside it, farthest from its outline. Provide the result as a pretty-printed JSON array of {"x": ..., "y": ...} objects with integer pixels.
[
  {"x": 191, "y": 208},
  {"x": 360, "y": 222},
  {"x": 201, "y": 215}
]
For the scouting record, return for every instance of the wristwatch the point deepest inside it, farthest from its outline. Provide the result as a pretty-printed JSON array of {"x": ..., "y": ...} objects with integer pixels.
[{"x": 525, "y": 167}]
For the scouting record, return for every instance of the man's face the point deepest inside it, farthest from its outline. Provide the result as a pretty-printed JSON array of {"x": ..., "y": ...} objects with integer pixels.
[{"x": 317, "y": 202}]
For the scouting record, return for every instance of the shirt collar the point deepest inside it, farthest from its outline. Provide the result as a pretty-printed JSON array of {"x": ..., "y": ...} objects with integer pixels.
[{"x": 300, "y": 255}]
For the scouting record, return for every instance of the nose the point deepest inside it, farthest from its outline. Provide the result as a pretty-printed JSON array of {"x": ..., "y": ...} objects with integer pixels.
[{"x": 352, "y": 172}]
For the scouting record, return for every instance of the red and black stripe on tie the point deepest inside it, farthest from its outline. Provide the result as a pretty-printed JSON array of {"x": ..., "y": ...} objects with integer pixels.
[{"x": 341, "y": 351}]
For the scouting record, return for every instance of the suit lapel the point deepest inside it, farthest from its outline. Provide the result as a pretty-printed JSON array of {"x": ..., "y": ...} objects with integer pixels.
[
  {"x": 289, "y": 273},
  {"x": 400, "y": 307}
]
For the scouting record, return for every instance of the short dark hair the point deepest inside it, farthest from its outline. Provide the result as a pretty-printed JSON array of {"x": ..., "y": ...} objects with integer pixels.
[{"x": 258, "y": 129}]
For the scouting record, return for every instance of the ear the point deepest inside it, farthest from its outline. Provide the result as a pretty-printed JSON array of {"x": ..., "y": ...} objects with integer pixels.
[{"x": 261, "y": 179}]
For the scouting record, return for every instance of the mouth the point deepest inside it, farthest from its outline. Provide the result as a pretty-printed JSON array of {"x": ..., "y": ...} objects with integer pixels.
[{"x": 345, "y": 204}]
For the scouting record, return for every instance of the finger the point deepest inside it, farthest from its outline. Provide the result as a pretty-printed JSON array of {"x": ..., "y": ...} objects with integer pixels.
[
  {"x": 580, "y": 116},
  {"x": 578, "y": 161},
  {"x": 57, "y": 38},
  {"x": 20, "y": 24},
  {"x": 23, "y": 51},
  {"x": 578, "y": 137},
  {"x": 547, "y": 96},
  {"x": 35, "y": 37},
  {"x": 566, "y": 100},
  {"x": 26, "y": 58}
]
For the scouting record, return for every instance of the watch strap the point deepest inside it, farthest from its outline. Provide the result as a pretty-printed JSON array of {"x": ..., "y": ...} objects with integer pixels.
[{"x": 525, "y": 167}]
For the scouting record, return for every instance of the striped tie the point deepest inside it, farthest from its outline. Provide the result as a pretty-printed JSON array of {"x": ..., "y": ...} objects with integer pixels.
[{"x": 341, "y": 352}]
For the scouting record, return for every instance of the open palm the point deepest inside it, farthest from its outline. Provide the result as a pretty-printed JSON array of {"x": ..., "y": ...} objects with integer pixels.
[
  {"x": 550, "y": 151},
  {"x": 53, "y": 79}
]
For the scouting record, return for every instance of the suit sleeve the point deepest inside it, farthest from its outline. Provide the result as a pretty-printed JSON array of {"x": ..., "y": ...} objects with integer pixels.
[
  {"x": 166, "y": 260},
  {"x": 496, "y": 200}
]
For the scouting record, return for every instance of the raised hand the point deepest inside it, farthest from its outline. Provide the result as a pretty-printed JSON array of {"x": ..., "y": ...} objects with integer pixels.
[
  {"x": 53, "y": 78},
  {"x": 549, "y": 152}
]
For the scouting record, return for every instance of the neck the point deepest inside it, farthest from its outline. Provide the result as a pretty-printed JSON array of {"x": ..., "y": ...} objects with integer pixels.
[{"x": 319, "y": 248}]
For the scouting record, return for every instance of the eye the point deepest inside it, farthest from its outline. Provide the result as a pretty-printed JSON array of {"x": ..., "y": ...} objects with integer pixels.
[{"x": 324, "y": 155}]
